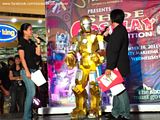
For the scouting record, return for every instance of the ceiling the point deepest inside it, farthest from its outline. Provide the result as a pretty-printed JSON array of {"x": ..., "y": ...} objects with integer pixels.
[{"x": 33, "y": 21}]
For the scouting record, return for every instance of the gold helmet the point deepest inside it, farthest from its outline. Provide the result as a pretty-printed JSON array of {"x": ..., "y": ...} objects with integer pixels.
[{"x": 85, "y": 23}]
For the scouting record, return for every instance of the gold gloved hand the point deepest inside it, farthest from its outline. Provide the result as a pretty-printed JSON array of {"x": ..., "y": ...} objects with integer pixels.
[
  {"x": 78, "y": 89},
  {"x": 70, "y": 60}
]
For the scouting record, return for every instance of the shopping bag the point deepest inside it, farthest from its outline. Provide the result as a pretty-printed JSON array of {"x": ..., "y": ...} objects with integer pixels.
[{"x": 38, "y": 78}]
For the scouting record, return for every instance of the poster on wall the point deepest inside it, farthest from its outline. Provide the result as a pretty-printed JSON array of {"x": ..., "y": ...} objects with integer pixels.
[{"x": 142, "y": 20}]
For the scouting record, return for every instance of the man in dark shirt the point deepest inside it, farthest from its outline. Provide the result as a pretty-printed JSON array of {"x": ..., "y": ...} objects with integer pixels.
[
  {"x": 117, "y": 57},
  {"x": 4, "y": 88},
  {"x": 1, "y": 97},
  {"x": 4, "y": 72}
]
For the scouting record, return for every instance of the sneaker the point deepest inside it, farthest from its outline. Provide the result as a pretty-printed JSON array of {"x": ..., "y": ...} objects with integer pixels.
[{"x": 123, "y": 118}]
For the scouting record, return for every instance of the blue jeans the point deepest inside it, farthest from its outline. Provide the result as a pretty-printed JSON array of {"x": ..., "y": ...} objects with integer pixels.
[{"x": 30, "y": 93}]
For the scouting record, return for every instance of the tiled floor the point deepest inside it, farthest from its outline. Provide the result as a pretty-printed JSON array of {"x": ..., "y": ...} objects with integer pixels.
[{"x": 134, "y": 116}]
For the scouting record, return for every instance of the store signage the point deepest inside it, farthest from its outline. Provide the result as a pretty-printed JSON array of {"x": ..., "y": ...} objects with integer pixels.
[{"x": 7, "y": 33}]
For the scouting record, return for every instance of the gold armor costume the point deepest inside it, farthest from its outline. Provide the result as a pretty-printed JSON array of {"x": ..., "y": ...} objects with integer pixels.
[{"x": 86, "y": 44}]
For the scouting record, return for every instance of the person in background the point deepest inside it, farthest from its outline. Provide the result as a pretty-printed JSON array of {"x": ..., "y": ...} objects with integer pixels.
[
  {"x": 17, "y": 89},
  {"x": 1, "y": 94},
  {"x": 29, "y": 52},
  {"x": 1, "y": 97},
  {"x": 10, "y": 62},
  {"x": 117, "y": 57},
  {"x": 5, "y": 86}
]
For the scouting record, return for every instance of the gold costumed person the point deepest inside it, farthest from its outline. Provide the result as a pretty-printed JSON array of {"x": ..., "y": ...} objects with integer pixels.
[{"x": 86, "y": 44}]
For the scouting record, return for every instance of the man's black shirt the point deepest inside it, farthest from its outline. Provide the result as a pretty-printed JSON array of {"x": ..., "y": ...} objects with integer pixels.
[
  {"x": 117, "y": 50},
  {"x": 4, "y": 77}
]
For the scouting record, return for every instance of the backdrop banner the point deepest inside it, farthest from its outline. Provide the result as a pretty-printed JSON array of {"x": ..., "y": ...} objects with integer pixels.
[{"x": 142, "y": 20}]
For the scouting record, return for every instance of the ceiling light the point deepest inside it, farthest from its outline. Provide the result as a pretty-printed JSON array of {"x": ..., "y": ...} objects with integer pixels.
[
  {"x": 40, "y": 21},
  {"x": 13, "y": 20}
]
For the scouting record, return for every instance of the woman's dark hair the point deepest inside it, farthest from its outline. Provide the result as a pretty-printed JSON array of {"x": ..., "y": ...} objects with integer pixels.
[
  {"x": 16, "y": 56},
  {"x": 10, "y": 59},
  {"x": 24, "y": 26},
  {"x": 13, "y": 67},
  {"x": 117, "y": 15}
]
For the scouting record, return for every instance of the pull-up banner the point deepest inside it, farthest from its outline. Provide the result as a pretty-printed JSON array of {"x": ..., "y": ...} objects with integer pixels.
[{"x": 142, "y": 20}]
